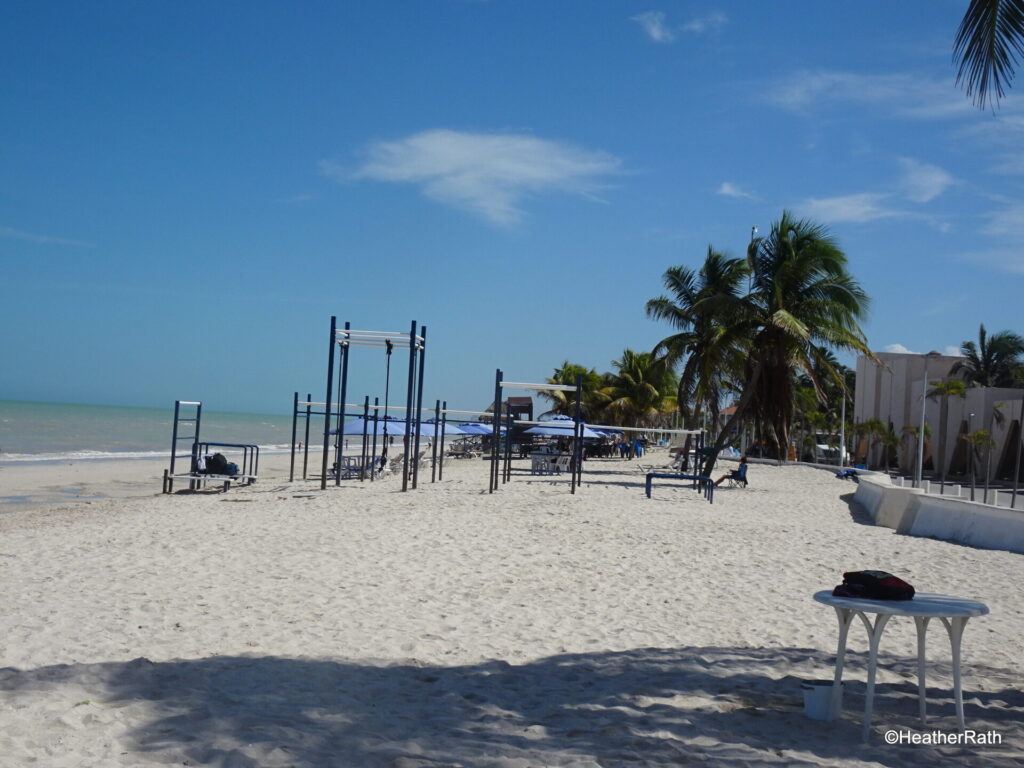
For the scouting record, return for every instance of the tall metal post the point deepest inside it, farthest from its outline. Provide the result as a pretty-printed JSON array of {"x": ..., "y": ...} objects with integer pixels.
[
  {"x": 1016, "y": 471},
  {"x": 376, "y": 421},
  {"x": 577, "y": 472},
  {"x": 362, "y": 455},
  {"x": 342, "y": 395},
  {"x": 970, "y": 451},
  {"x": 305, "y": 445},
  {"x": 194, "y": 484},
  {"x": 842, "y": 429},
  {"x": 295, "y": 420},
  {"x": 506, "y": 474},
  {"x": 919, "y": 474},
  {"x": 327, "y": 404},
  {"x": 408, "y": 405},
  {"x": 433, "y": 457},
  {"x": 496, "y": 437},
  {"x": 419, "y": 406},
  {"x": 440, "y": 470}
]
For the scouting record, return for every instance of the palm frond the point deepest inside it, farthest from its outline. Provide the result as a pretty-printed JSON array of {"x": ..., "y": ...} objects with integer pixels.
[{"x": 989, "y": 44}]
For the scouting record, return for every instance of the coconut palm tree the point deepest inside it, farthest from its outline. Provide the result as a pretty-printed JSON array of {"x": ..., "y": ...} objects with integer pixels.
[
  {"x": 945, "y": 390},
  {"x": 802, "y": 300},
  {"x": 995, "y": 361},
  {"x": 641, "y": 390},
  {"x": 563, "y": 402},
  {"x": 701, "y": 306},
  {"x": 989, "y": 44}
]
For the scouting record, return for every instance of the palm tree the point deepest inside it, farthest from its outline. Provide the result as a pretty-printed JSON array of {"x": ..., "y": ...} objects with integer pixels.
[
  {"x": 890, "y": 443},
  {"x": 914, "y": 431},
  {"x": 700, "y": 307},
  {"x": 802, "y": 300},
  {"x": 993, "y": 362},
  {"x": 945, "y": 390},
  {"x": 641, "y": 391},
  {"x": 988, "y": 45},
  {"x": 981, "y": 444},
  {"x": 563, "y": 402},
  {"x": 876, "y": 431}
]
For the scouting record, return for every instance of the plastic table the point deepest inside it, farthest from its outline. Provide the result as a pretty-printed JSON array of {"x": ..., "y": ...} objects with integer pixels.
[{"x": 952, "y": 611}]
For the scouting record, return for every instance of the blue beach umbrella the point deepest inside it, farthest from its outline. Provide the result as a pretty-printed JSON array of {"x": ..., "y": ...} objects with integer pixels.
[
  {"x": 385, "y": 426},
  {"x": 560, "y": 430},
  {"x": 427, "y": 429},
  {"x": 476, "y": 429}
]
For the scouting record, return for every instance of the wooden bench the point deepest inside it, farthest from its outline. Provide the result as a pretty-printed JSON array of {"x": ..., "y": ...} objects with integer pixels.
[{"x": 706, "y": 484}]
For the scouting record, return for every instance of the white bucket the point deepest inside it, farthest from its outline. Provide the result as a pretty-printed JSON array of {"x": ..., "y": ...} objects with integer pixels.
[{"x": 818, "y": 700}]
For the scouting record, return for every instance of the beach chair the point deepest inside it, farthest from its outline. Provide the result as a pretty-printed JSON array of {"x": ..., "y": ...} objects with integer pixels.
[
  {"x": 541, "y": 464},
  {"x": 562, "y": 463},
  {"x": 738, "y": 479}
]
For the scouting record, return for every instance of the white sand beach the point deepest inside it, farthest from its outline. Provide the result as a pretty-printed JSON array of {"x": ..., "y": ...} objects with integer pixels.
[{"x": 278, "y": 625}]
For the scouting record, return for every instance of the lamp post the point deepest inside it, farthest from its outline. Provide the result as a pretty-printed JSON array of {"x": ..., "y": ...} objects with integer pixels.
[
  {"x": 970, "y": 451},
  {"x": 920, "y": 434}
]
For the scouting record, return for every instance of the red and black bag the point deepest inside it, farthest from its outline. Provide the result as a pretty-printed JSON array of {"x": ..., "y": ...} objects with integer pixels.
[{"x": 874, "y": 585}]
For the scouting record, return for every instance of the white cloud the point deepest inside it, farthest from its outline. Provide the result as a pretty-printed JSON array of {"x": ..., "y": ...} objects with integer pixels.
[
  {"x": 1006, "y": 259},
  {"x": 488, "y": 174},
  {"x": 858, "y": 208},
  {"x": 922, "y": 182},
  {"x": 898, "y": 349},
  {"x": 31, "y": 237},
  {"x": 902, "y": 94},
  {"x": 1008, "y": 221},
  {"x": 708, "y": 23},
  {"x": 951, "y": 351},
  {"x": 653, "y": 23},
  {"x": 729, "y": 189}
]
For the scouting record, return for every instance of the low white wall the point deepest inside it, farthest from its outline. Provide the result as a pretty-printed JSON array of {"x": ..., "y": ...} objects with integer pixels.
[{"x": 913, "y": 512}]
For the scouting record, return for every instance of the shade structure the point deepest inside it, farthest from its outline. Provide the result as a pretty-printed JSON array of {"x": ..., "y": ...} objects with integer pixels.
[
  {"x": 450, "y": 430},
  {"x": 476, "y": 429},
  {"x": 561, "y": 430},
  {"x": 385, "y": 426}
]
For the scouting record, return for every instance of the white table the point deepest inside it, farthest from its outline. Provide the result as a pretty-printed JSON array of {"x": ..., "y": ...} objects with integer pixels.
[{"x": 952, "y": 611}]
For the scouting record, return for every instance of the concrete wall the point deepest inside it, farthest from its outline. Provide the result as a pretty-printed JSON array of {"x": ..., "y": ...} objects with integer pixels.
[
  {"x": 911, "y": 511},
  {"x": 892, "y": 393}
]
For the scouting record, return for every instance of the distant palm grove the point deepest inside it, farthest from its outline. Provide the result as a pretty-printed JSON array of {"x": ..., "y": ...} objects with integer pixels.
[{"x": 760, "y": 335}]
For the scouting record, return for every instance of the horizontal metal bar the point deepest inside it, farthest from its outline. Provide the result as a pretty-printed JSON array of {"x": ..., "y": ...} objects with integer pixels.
[
  {"x": 355, "y": 343},
  {"x": 351, "y": 331},
  {"x": 547, "y": 387},
  {"x": 188, "y": 402},
  {"x": 646, "y": 429}
]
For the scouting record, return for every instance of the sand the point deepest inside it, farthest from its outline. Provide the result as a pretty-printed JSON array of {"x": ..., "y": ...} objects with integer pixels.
[{"x": 279, "y": 625}]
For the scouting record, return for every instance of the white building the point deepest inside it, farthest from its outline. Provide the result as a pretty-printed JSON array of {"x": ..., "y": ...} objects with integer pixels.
[{"x": 891, "y": 392}]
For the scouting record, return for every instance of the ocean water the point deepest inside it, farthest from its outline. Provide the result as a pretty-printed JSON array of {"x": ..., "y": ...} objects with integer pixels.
[{"x": 59, "y": 431}]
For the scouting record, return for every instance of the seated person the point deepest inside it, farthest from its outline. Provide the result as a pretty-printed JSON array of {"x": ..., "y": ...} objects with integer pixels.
[{"x": 737, "y": 474}]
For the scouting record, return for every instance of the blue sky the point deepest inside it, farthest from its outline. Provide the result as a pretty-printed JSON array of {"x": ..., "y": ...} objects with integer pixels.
[{"x": 188, "y": 191}]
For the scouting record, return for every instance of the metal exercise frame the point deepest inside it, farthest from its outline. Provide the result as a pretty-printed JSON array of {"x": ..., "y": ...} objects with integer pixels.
[
  {"x": 341, "y": 341},
  {"x": 250, "y": 453},
  {"x": 175, "y": 437},
  {"x": 501, "y": 467}
]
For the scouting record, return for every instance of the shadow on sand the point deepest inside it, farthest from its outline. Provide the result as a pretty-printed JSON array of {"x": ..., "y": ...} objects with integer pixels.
[{"x": 651, "y": 707}]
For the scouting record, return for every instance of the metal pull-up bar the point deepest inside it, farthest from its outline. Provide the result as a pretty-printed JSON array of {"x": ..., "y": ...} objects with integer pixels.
[
  {"x": 577, "y": 429},
  {"x": 345, "y": 338}
]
